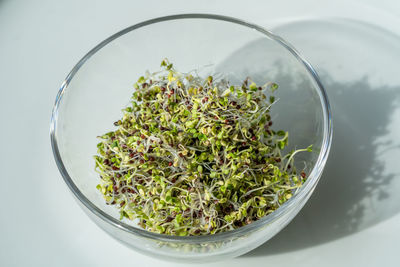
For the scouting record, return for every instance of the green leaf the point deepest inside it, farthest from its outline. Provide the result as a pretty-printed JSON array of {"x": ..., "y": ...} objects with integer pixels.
[
  {"x": 281, "y": 145},
  {"x": 272, "y": 99},
  {"x": 200, "y": 168},
  {"x": 253, "y": 86},
  {"x": 222, "y": 189},
  {"x": 114, "y": 144},
  {"x": 274, "y": 87},
  {"x": 249, "y": 96},
  {"x": 281, "y": 133}
]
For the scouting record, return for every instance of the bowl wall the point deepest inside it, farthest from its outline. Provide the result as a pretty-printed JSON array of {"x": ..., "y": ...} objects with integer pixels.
[{"x": 93, "y": 95}]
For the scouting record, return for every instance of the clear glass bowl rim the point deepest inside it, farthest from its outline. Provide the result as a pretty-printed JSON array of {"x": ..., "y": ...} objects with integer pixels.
[{"x": 311, "y": 181}]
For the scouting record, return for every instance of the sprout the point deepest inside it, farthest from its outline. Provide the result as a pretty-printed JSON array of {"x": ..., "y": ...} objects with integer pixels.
[{"x": 195, "y": 156}]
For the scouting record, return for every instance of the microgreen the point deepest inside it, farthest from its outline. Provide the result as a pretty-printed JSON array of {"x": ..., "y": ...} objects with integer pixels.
[{"x": 195, "y": 156}]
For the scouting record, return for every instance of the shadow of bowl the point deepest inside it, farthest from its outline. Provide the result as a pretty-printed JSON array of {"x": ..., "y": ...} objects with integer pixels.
[{"x": 360, "y": 184}]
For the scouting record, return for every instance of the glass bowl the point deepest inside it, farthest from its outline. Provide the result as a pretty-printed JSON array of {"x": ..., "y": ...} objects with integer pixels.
[{"x": 100, "y": 85}]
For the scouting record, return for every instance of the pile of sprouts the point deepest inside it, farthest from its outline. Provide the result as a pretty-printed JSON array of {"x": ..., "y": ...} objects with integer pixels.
[{"x": 196, "y": 156}]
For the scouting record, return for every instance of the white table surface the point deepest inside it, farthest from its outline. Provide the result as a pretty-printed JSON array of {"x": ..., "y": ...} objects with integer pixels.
[{"x": 353, "y": 218}]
